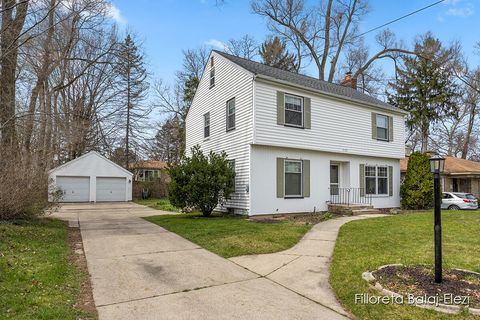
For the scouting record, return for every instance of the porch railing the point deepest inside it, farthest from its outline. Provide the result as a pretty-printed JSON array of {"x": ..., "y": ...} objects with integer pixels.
[{"x": 349, "y": 196}]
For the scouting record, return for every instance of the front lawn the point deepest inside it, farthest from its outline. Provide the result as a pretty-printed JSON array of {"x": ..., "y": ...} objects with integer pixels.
[
  {"x": 159, "y": 204},
  {"x": 407, "y": 239},
  {"x": 37, "y": 278},
  {"x": 230, "y": 236}
]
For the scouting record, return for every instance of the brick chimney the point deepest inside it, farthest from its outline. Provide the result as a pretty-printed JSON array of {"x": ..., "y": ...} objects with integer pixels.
[{"x": 349, "y": 81}]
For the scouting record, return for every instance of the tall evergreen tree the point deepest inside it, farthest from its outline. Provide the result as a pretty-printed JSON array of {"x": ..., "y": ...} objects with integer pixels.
[
  {"x": 425, "y": 86},
  {"x": 133, "y": 86},
  {"x": 416, "y": 190},
  {"x": 274, "y": 53}
]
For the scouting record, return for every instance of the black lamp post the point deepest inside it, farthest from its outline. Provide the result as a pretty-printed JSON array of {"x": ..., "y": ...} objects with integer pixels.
[{"x": 437, "y": 165}]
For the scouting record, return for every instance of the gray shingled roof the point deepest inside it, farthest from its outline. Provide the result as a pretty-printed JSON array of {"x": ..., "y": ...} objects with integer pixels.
[{"x": 306, "y": 81}]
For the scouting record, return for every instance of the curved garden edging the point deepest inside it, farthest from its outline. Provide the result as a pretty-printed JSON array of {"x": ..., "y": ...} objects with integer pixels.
[{"x": 445, "y": 308}]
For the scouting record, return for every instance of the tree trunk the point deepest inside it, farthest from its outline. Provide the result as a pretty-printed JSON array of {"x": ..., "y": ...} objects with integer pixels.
[
  {"x": 471, "y": 122},
  {"x": 10, "y": 32}
]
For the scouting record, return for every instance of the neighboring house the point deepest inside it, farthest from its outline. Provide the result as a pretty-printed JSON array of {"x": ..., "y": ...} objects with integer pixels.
[
  {"x": 151, "y": 178},
  {"x": 148, "y": 170},
  {"x": 459, "y": 175},
  {"x": 296, "y": 143},
  {"x": 90, "y": 178}
]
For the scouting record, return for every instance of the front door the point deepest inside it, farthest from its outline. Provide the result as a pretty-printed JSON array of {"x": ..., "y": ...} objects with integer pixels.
[{"x": 334, "y": 179}]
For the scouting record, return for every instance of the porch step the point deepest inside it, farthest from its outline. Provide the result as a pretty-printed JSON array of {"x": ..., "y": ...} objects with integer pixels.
[
  {"x": 357, "y": 212},
  {"x": 352, "y": 209}
]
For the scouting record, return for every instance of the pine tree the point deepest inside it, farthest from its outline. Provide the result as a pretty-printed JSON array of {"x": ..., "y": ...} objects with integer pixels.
[
  {"x": 133, "y": 86},
  {"x": 425, "y": 86},
  {"x": 274, "y": 53}
]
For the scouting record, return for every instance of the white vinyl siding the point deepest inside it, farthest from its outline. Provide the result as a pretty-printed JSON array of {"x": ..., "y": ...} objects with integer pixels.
[
  {"x": 336, "y": 125},
  {"x": 230, "y": 81},
  {"x": 263, "y": 192}
]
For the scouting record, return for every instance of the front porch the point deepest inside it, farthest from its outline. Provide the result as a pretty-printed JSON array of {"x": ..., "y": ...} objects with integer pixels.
[{"x": 350, "y": 201}]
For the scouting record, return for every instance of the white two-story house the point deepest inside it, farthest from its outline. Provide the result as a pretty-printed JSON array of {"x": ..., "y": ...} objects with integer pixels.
[{"x": 296, "y": 143}]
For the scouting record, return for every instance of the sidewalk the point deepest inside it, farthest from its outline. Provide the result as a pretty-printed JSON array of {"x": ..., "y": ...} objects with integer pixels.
[{"x": 304, "y": 268}]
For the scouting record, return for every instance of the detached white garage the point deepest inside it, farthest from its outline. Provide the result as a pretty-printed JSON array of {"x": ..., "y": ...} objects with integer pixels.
[{"x": 91, "y": 178}]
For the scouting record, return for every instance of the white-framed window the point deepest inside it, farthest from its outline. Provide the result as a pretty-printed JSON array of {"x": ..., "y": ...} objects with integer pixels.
[
  {"x": 293, "y": 178},
  {"x": 231, "y": 163},
  {"x": 206, "y": 125},
  {"x": 147, "y": 175},
  {"x": 381, "y": 122},
  {"x": 376, "y": 180},
  {"x": 293, "y": 110},
  {"x": 230, "y": 114},
  {"x": 212, "y": 73}
]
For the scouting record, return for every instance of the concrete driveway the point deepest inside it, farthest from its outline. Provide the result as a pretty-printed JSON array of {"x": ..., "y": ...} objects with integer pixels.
[{"x": 142, "y": 271}]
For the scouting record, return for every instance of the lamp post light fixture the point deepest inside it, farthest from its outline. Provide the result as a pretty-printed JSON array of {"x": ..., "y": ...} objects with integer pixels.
[{"x": 437, "y": 164}]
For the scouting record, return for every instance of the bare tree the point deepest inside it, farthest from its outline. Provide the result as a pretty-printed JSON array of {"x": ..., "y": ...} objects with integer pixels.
[
  {"x": 245, "y": 47},
  {"x": 325, "y": 31},
  {"x": 12, "y": 22}
]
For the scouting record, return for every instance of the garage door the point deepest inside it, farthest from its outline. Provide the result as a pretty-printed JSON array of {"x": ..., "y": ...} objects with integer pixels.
[
  {"x": 75, "y": 189},
  {"x": 111, "y": 189}
]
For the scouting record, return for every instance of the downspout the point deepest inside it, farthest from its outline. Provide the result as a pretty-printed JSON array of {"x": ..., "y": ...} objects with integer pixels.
[{"x": 254, "y": 139}]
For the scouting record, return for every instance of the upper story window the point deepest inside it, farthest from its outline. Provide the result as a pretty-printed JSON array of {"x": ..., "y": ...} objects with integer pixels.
[
  {"x": 382, "y": 127},
  {"x": 376, "y": 180},
  {"x": 230, "y": 114},
  {"x": 293, "y": 178},
  {"x": 212, "y": 73},
  {"x": 293, "y": 110},
  {"x": 206, "y": 125}
]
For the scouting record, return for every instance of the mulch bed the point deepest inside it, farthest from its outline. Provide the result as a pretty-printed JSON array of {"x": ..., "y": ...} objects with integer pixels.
[
  {"x": 419, "y": 281},
  {"x": 300, "y": 218},
  {"x": 86, "y": 302}
]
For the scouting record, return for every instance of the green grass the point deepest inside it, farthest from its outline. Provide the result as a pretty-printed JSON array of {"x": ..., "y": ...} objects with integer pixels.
[
  {"x": 408, "y": 239},
  {"x": 230, "y": 236},
  {"x": 37, "y": 279},
  {"x": 159, "y": 204}
]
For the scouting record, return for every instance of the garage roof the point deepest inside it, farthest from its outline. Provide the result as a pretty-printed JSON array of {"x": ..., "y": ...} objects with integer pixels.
[{"x": 91, "y": 153}]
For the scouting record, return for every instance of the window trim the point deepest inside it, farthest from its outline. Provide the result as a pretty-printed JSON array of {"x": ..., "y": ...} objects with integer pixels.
[
  {"x": 388, "y": 127},
  {"x": 285, "y": 180},
  {"x": 228, "y": 115},
  {"x": 376, "y": 180},
  {"x": 205, "y": 125},
  {"x": 302, "y": 102}
]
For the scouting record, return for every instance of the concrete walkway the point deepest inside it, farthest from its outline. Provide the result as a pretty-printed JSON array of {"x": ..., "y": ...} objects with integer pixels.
[
  {"x": 304, "y": 268},
  {"x": 142, "y": 271}
]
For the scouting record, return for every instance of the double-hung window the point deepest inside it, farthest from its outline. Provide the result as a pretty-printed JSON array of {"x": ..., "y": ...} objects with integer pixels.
[
  {"x": 382, "y": 127},
  {"x": 206, "y": 125},
  {"x": 230, "y": 114},
  {"x": 376, "y": 180},
  {"x": 293, "y": 178},
  {"x": 293, "y": 110},
  {"x": 212, "y": 73}
]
